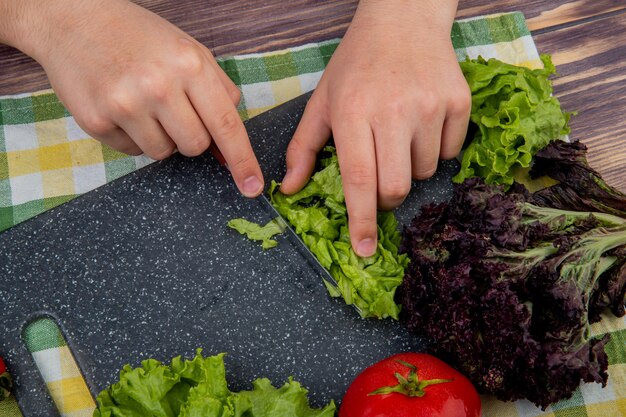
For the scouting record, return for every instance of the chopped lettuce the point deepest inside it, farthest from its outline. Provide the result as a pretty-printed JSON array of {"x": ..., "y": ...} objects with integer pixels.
[
  {"x": 318, "y": 215},
  {"x": 198, "y": 388},
  {"x": 255, "y": 231},
  {"x": 515, "y": 114}
]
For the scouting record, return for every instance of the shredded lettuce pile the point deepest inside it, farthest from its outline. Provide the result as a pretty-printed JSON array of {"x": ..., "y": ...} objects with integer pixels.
[
  {"x": 198, "y": 388},
  {"x": 318, "y": 215},
  {"x": 515, "y": 115}
]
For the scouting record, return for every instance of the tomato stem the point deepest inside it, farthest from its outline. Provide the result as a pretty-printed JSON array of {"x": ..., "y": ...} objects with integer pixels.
[{"x": 410, "y": 385}]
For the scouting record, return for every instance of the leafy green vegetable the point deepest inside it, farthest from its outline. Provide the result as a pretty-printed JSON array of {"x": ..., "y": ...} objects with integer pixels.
[
  {"x": 198, "y": 388},
  {"x": 506, "y": 289},
  {"x": 318, "y": 214},
  {"x": 288, "y": 400},
  {"x": 515, "y": 115},
  {"x": 255, "y": 231}
]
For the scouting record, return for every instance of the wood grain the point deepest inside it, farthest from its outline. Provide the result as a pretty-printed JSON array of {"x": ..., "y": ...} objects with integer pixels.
[
  {"x": 19, "y": 73},
  {"x": 542, "y": 14},
  {"x": 591, "y": 61}
]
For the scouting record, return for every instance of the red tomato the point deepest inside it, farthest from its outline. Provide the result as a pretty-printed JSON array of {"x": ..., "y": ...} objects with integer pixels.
[
  {"x": 410, "y": 385},
  {"x": 3, "y": 367}
]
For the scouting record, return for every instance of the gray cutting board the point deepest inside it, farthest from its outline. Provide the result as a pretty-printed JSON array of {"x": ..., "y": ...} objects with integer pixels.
[{"x": 145, "y": 267}]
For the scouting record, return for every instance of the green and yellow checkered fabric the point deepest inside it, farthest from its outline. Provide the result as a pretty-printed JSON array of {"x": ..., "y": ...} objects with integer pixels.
[
  {"x": 46, "y": 160},
  {"x": 58, "y": 368}
]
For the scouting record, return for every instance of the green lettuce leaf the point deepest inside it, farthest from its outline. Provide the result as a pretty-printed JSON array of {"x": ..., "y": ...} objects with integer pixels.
[
  {"x": 290, "y": 400},
  {"x": 515, "y": 114},
  {"x": 255, "y": 231},
  {"x": 198, "y": 388},
  {"x": 154, "y": 389},
  {"x": 318, "y": 214}
]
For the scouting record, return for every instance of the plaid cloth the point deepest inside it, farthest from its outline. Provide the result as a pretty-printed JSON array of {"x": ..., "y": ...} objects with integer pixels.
[
  {"x": 58, "y": 368},
  {"x": 46, "y": 160}
]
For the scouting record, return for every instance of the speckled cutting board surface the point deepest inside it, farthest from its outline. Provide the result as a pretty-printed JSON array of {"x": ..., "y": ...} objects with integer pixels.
[{"x": 146, "y": 267}]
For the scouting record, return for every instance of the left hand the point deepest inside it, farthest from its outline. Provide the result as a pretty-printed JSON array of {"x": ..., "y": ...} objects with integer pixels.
[{"x": 395, "y": 100}]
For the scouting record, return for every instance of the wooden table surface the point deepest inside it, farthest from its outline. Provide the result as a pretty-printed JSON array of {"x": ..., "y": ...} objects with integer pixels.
[{"x": 585, "y": 37}]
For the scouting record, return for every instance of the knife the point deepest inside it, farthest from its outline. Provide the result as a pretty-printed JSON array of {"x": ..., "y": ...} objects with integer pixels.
[
  {"x": 292, "y": 235},
  {"x": 299, "y": 244}
]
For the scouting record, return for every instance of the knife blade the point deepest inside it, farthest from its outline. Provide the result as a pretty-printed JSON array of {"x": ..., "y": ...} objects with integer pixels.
[{"x": 299, "y": 244}]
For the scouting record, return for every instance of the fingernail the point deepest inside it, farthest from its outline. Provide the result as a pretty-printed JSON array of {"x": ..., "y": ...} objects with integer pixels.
[
  {"x": 366, "y": 247},
  {"x": 252, "y": 186}
]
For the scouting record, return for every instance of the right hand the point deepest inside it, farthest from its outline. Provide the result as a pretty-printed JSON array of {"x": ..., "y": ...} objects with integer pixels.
[
  {"x": 393, "y": 112},
  {"x": 138, "y": 83}
]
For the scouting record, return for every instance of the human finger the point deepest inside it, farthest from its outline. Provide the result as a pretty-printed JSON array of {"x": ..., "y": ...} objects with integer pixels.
[
  {"x": 183, "y": 125},
  {"x": 231, "y": 88},
  {"x": 108, "y": 133},
  {"x": 217, "y": 111},
  {"x": 393, "y": 161},
  {"x": 455, "y": 126},
  {"x": 120, "y": 141},
  {"x": 150, "y": 136},
  {"x": 357, "y": 160},
  {"x": 425, "y": 147}
]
